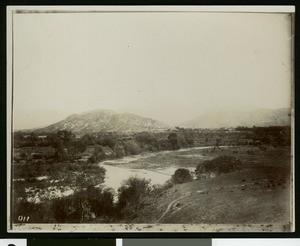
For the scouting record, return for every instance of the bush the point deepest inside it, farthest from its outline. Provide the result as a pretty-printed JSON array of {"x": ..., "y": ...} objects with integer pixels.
[
  {"x": 97, "y": 155},
  {"x": 147, "y": 141},
  {"x": 145, "y": 137},
  {"x": 217, "y": 166},
  {"x": 132, "y": 148},
  {"x": 119, "y": 150},
  {"x": 101, "y": 201},
  {"x": 131, "y": 191},
  {"x": 182, "y": 143},
  {"x": 29, "y": 170},
  {"x": 70, "y": 209},
  {"x": 83, "y": 206},
  {"x": 164, "y": 144},
  {"x": 182, "y": 175},
  {"x": 189, "y": 138},
  {"x": 108, "y": 141}
]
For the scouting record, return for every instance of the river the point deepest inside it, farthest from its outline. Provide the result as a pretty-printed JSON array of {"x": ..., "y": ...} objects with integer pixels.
[{"x": 115, "y": 173}]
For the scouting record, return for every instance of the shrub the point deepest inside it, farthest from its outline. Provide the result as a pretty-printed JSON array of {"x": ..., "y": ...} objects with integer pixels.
[
  {"x": 182, "y": 175},
  {"x": 132, "y": 148},
  {"x": 189, "y": 138},
  {"x": 182, "y": 143},
  {"x": 101, "y": 201},
  {"x": 109, "y": 141},
  {"x": 72, "y": 209},
  {"x": 97, "y": 155},
  {"x": 28, "y": 171},
  {"x": 119, "y": 150},
  {"x": 145, "y": 137},
  {"x": 131, "y": 192},
  {"x": 164, "y": 144},
  {"x": 83, "y": 206},
  {"x": 147, "y": 141},
  {"x": 217, "y": 166}
]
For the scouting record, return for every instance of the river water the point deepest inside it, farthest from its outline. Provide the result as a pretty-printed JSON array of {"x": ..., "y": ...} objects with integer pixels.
[{"x": 115, "y": 173}]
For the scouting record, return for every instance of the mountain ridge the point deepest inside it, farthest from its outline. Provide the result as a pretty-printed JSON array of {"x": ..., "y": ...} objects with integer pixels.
[
  {"x": 259, "y": 117},
  {"x": 111, "y": 121},
  {"x": 104, "y": 120}
]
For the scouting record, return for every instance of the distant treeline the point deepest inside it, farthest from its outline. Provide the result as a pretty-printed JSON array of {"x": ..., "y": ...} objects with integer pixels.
[
  {"x": 271, "y": 135},
  {"x": 65, "y": 146}
]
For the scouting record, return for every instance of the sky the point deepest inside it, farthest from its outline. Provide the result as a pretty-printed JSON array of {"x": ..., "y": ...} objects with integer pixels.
[{"x": 168, "y": 66}]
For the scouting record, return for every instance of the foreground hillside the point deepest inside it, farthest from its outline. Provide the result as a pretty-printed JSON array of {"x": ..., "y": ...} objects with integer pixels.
[
  {"x": 259, "y": 193},
  {"x": 104, "y": 121}
]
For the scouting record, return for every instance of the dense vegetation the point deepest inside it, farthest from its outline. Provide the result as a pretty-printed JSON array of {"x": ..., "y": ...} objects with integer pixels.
[{"x": 63, "y": 145}]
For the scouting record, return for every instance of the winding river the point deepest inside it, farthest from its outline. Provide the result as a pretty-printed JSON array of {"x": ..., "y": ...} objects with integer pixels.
[{"x": 115, "y": 173}]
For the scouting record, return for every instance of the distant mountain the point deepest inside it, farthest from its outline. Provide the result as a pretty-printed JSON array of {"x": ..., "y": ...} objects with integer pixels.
[
  {"x": 104, "y": 120},
  {"x": 261, "y": 117}
]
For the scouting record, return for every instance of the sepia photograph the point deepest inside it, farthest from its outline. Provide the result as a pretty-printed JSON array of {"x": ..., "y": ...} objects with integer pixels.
[{"x": 150, "y": 119}]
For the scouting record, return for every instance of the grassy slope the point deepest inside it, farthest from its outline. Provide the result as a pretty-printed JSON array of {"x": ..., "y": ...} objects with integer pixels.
[{"x": 259, "y": 193}]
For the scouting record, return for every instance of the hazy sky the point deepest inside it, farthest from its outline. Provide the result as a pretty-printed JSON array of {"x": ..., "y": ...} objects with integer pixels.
[{"x": 169, "y": 66}]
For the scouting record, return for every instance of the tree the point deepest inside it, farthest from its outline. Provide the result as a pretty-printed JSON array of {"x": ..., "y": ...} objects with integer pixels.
[
  {"x": 60, "y": 141},
  {"x": 173, "y": 139},
  {"x": 217, "y": 144},
  {"x": 189, "y": 138}
]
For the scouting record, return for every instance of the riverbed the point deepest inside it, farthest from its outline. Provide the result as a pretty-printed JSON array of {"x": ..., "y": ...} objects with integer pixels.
[{"x": 143, "y": 166}]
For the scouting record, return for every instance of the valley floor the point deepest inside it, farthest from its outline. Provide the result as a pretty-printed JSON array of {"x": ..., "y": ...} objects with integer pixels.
[{"x": 258, "y": 193}]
